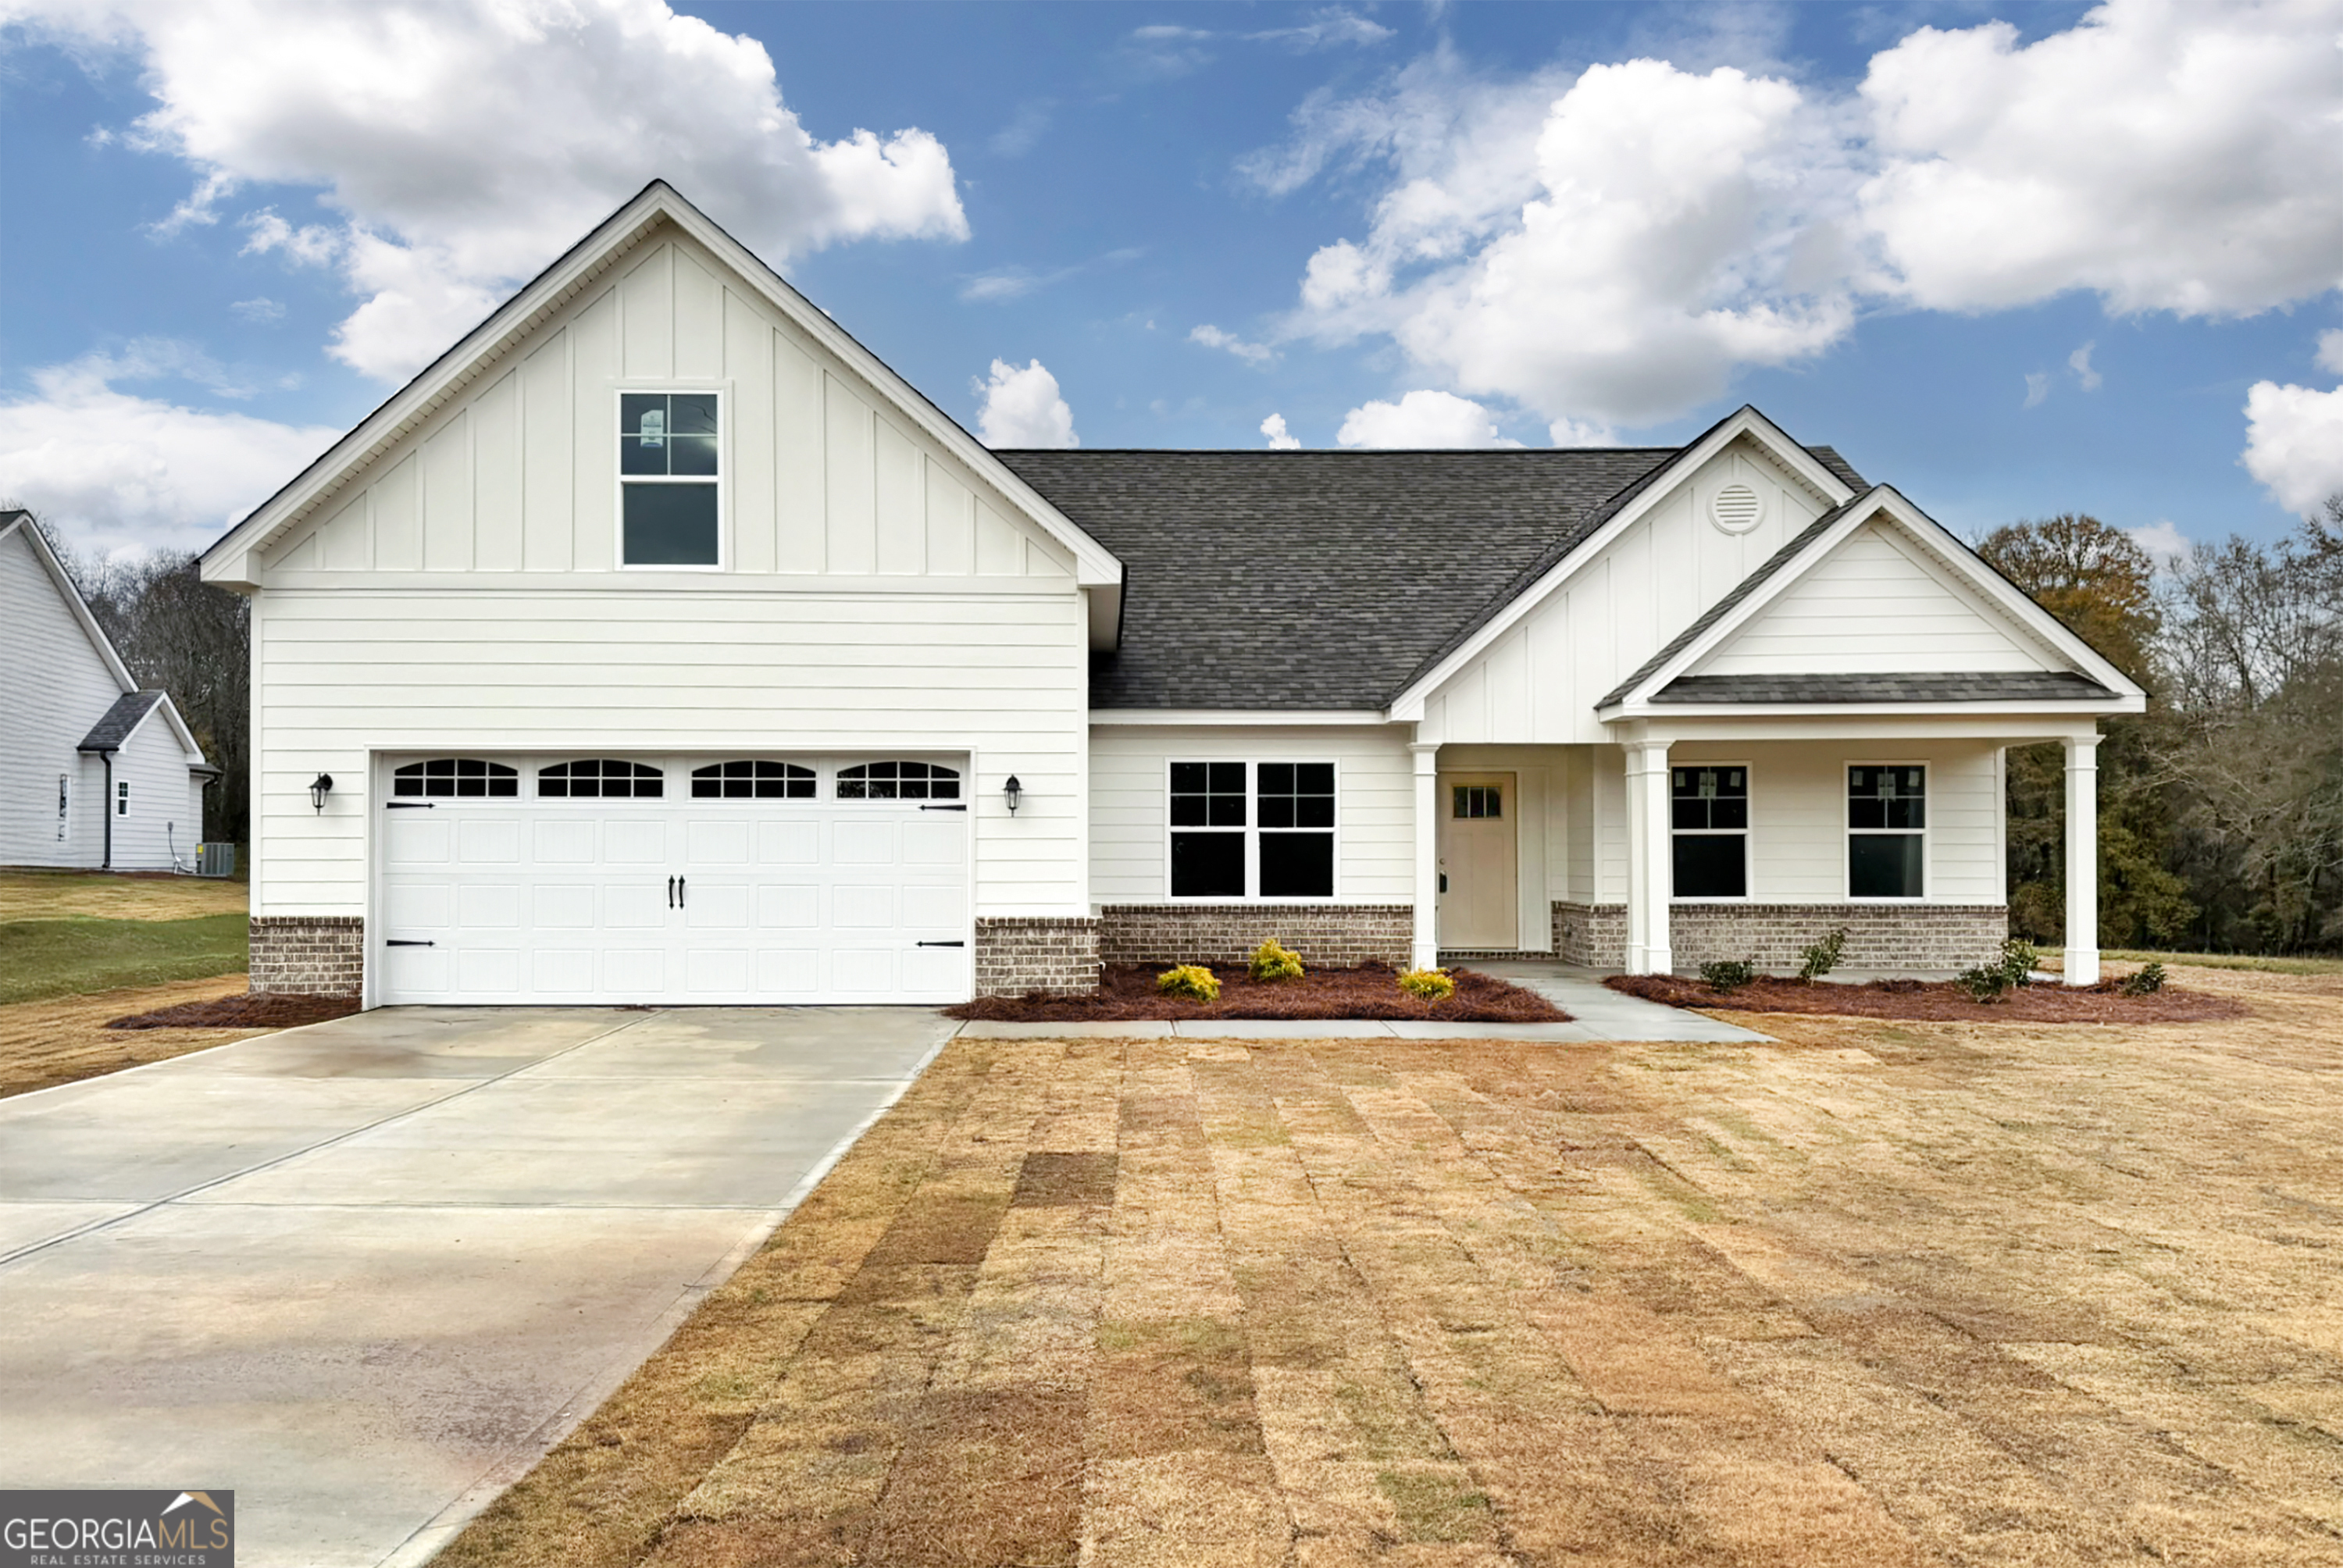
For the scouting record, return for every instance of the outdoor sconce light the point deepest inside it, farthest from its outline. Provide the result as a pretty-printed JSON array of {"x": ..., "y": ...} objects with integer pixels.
[
  {"x": 320, "y": 788},
  {"x": 1012, "y": 792}
]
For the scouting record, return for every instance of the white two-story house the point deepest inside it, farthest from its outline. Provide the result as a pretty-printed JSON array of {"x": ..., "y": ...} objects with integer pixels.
[{"x": 657, "y": 643}]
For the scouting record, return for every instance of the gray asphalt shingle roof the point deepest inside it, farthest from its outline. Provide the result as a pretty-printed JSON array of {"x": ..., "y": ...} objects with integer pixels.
[
  {"x": 119, "y": 720},
  {"x": 1322, "y": 579},
  {"x": 1982, "y": 685}
]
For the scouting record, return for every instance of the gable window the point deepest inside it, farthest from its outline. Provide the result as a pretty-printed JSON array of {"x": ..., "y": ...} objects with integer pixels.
[
  {"x": 600, "y": 778},
  {"x": 1708, "y": 819},
  {"x": 1886, "y": 831},
  {"x": 460, "y": 777},
  {"x": 752, "y": 780},
  {"x": 669, "y": 455},
  {"x": 899, "y": 782},
  {"x": 1252, "y": 829}
]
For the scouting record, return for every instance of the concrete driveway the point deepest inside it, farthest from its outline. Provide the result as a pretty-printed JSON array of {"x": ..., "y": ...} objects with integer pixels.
[{"x": 364, "y": 1274}]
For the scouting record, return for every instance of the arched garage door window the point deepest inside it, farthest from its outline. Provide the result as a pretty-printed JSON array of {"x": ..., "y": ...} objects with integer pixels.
[
  {"x": 752, "y": 780},
  {"x": 456, "y": 776},
  {"x": 899, "y": 782},
  {"x": 601, "y": 777}
]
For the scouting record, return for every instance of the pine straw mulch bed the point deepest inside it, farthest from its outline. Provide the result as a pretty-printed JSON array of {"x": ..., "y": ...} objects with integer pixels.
[
  {"x": 242, "y": 1010},
  {"x": 1127, "y": 992},
  {"x": 1938, "y": 1002}
]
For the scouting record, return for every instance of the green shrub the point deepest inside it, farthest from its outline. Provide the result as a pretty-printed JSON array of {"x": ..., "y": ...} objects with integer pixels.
[
  {"x": 2019, "y": 958},
  {"x": 1432, "y": 985},
  {"x": 1192, "y": 980},
  {"x": 2146, "y": 982},
  {"x": 1274, "y": 961},
  {"x": 1728, "y": 974},
  {"x": 1985, "y": 984},
  {"x": 2014, "y": 967},
  {"x": 1818, "y": 959}
]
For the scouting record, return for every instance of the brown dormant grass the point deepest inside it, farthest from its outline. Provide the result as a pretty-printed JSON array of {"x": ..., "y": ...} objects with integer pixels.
[
  {"x": 1883, "y": 1293},
  {"x": 62, "y": 1038},
  {"x": 35, "y": 895}
]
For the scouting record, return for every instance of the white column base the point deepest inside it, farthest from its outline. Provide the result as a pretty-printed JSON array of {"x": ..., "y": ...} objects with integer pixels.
[{"x": 2082, "y": 966}]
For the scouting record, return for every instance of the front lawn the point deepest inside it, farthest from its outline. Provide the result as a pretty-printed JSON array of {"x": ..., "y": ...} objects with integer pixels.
[
  {"x": 79, "y": 954},
  {"x": 1881, "y": 1293}
]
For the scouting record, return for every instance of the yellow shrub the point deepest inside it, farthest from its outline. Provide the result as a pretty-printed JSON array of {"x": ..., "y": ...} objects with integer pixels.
[
  {"x": 1274, "y": 961},
  {"x": 1189, "y": 980},
  {"x": 1432, "y": 985}
]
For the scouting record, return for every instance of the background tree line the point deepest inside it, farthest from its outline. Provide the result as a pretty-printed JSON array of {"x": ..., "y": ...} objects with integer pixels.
[{"x": 2221, "y": 808}]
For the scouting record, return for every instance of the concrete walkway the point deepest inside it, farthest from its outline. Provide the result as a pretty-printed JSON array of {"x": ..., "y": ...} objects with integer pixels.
[
  {"x": 1596, "y": 1013},
  {"x": 364, "y": 1274}
]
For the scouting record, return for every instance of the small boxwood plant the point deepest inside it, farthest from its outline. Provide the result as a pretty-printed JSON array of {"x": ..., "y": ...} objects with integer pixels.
[
  {"x": 2148, "y": 981},
  {"x": 1816, "y": 960},
  {"x": 1274, "y": 961},
  {"x": 2011, "y": 968},
  {"x": 1194, "y": 982},
  {"x": 1432, "y": 985},
  {"x": 1727, "y": 974}
]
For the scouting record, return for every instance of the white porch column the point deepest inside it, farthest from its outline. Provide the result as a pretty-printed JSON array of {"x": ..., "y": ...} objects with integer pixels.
[
  {"x": 2083, "y": 860},
  {"x": 1425, "y": 951},
  {"x": 1649, "y": 872}
]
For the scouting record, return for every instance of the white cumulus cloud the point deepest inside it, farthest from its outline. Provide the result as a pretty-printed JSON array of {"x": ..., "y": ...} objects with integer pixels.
[
  {"x": 1212, "y": 336},
  {"x": 2079, "y": 362},
  {"x": 2293, "y": 443},
  {"x": 2163, "y": 542},
  {"x": 456, "y": 147},
  {"x": 1421, "y": 418},
  {"x": 2331, "y": 350},
  {"x": 1280, "y": 438},
  {"x": 1023, "y": 408},
  {"x": 116, "y": 471}
]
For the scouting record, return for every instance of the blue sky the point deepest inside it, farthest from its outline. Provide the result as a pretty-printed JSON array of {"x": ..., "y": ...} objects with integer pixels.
[{"x": 2013, "y": 260}]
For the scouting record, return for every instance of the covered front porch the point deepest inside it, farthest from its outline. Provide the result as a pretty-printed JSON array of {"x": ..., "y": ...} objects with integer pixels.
[{"x": 1745, "y": 834}]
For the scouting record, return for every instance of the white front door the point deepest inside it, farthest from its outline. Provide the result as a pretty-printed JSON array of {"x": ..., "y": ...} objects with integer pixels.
[
  {"x": 1480, "y": 900},
  {"x": 530, "y": 899}
]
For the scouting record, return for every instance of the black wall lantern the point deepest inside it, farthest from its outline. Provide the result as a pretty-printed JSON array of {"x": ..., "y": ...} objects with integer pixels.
[
  {"x": 1012, "y": 792},
  {"x": 320, "y": 788}
]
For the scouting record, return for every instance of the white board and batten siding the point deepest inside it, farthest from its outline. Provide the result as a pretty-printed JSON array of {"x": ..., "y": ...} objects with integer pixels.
[
  {"x": 1538, "y": 682},
  {"x": 462, "y": 593}
]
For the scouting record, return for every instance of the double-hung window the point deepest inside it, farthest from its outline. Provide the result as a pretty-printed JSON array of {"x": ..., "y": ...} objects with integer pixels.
[
  {"x": 1886, "y": 831},
  {"x": 1708, "y": 812},
  {"x": 669, "y": 480},
  {"x": 1252, "y": 829}
]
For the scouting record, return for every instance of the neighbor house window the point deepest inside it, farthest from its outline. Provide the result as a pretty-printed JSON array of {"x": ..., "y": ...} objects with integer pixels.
[
  {"x": 752, "y": 780},
  {"x": 1887, "y": 822},
  {"x": 122, "y": 798},
  {"x": 600, "y": 778},
  {"x": 668, "y": 456},
  {"x": 456, "y": 776},
  {"x": 1708, "y": 818},
  {"x": 1252, "y": 829}
]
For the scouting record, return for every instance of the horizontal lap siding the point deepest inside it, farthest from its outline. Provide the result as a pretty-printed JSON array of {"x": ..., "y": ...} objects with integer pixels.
[
  {"x": 1797, "y": 851},
  {"x": 57, "y": 689},
  {"x": 346, "y": 673},
  {"x": 1375, "y": 807}
]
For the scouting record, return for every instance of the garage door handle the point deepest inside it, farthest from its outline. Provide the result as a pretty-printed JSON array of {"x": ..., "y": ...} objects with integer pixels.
[
  {"x": 951, "y": 944},
  {"x": 407, "y": 942},
  {"x": 679, "y": 892},
  {"x": 670, "y": 893}
]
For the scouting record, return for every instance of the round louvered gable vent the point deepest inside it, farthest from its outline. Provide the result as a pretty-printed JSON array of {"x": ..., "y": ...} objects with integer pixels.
[{"x": 1736, "y": 508}]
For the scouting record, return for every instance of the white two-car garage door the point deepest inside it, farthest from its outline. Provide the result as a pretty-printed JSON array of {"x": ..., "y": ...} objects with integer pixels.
[{"x": 673, "y": 880}]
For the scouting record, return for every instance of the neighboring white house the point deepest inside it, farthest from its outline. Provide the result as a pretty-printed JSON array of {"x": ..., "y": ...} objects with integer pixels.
[
  {"x": 661, "y": 643},
  {"x": 93, "y": 771}
]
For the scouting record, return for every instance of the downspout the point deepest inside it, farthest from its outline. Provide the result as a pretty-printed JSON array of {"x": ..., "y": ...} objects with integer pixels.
[{"x": 105, "y": 805}]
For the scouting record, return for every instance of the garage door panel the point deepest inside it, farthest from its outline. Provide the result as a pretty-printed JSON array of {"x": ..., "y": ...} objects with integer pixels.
[
  {"x": 564, "y": 843},
  {"x": 593, "y": 900},
  {"x": 788, "y": 906},
  {"x": 488, "y": 842},
  {"x": 786, "y": 843}
]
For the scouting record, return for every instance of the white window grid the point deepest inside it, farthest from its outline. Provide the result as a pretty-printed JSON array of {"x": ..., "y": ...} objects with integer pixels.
[
  {"x": 723, "y": 393},
  {"x": 1748, "y": 835},
  {"x": 1252, "y": 831},
  {"x": 1848, "y": 831}
]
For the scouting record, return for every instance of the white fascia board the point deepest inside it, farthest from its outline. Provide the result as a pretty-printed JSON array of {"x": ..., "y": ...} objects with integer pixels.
[
  {"x": 74, "y": 601},
  {"x": 1209, "y": 717},
  {"x": 226, "y": 560},
  {"x": 1745, "y": 725},
  {"x": 1890, "y": 506},
  {"x": 186, "y": 737},
  {"x": 1747, "y": 421}
]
